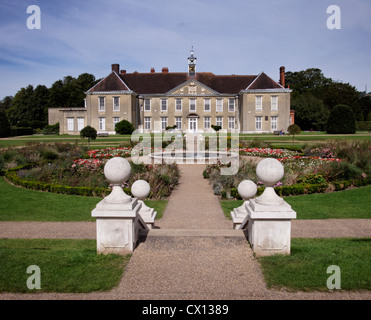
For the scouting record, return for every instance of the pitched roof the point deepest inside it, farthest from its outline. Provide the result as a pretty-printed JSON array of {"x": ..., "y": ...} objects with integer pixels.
[
  {"x": 161, "y": 83},
  {"x": 153, "y": 83},
  {"x": 112, "y": 82},
  {"x": 262, "y": 81}
]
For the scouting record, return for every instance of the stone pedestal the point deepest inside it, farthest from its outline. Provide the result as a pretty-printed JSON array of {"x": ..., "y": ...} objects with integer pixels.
[
  {"x": 246, "y": 189},
  {"x": 269, "y": 216},
  {"x": 140, "y": 189},
  {"x": 118, "y": 226},
  {"x": 117, "y": 215},
  {"x": 269, "y": 228}
]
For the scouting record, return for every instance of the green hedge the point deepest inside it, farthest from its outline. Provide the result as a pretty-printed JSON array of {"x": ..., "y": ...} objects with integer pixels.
[
  {"x": 363, "y": 125},
  {"x": 20, "y": 131},
  {"x": 11, "y": 175},
  {"x": 302, "y": 188}
]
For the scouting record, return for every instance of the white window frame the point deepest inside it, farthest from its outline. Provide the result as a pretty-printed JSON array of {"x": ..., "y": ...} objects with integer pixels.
[
  {"x": 80, "y": 123},
  {"x": 258, "y": 123},
  {"x": 70, "y": 124},
  {"x": 102, "y": 123},
  {"x": 231, "y": 123},
  {"x": 147, "y": 105},
  {"x": 193, "y": 122},
  {"x": 219, "y": 121},
  {"x": 191, "y": 104},
  {"x": 163, "y": 123},
  {"x": 177, "y": 105},
  {"x": 178, "y": 122},
  {"x": 231, "y": 103},
  {"x": 207, "y": 102},
  {"x": 219, "y": 105},
  {"x": 258, "y": 103},
  {"x": 163, "y": 105},
  {"x": 274, "y": 103},
  {"x": 101, "y": 107},
  {"x": 274, "y": 123},
  {"x": 147, "y": 123},
  {"x": 207, "y": 123},
  {"x": 115, "y": 121},
  {"x": 116, "y": 107}
]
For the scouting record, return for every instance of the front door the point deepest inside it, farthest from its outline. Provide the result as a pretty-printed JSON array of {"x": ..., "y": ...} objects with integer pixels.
[{"x": 192, "y": 124}]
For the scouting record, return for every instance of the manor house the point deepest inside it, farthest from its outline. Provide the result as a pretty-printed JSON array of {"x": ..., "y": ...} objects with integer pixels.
[{"x": 191, "y": 101}]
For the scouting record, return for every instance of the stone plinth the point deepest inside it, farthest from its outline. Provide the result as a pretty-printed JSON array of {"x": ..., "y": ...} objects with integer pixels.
[
  {"x": 117, "y": 215},
  {"x": 140, "y": 189},
  {"x": 269, "y": 216},
  {"x": 269, "y": 228},
  {"x": 246, "y": 189}
]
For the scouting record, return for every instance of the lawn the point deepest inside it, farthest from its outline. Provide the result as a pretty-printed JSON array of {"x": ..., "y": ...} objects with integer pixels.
[
  {"x": 65, "y": 266},
  {"x": 116, "y": 140},
  {"x": 19, "y": 204},
  {"x": 347, "y": 204},
  {"x": 306, "y": 268}
]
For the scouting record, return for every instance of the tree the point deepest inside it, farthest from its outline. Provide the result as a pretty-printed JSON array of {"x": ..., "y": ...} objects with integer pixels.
[
  {"x": 89, "y": 132},
  {"x": 341, "y": 120},
  {"x": 341, "y": 93},
  {"x": 4, "y": 125},
  {"x": 307, "y": 81},
  {"x": 293, "y": 130},
  {"x": 6, "y": 103},
  {"x": 124, "y": 127},
  {"x": 30, "y": 105},
  {"x": 310, "y": 112}
]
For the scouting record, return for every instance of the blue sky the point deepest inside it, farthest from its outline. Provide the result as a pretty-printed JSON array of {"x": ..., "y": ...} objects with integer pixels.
[{"x": 229, "y": 37}]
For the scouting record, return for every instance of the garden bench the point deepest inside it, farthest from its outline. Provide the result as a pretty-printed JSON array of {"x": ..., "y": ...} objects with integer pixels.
[{"x": 103, "y": 134}]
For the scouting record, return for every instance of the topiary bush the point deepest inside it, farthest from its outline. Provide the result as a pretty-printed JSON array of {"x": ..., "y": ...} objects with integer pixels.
[
  {"x": 341, "y": 120},
  {"x": 124, "y": 127}
]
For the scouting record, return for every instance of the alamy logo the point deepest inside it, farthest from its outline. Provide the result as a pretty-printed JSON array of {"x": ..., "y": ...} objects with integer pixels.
[
  {"x": 333, "y": 21},
  {"x": 34, "y": 280},
  {"x": 333, "y": 281},
  {"x": 34, "y": 20}
]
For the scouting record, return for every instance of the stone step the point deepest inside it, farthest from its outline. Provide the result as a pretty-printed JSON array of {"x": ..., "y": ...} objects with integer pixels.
[{"x": 192, "y": 233}]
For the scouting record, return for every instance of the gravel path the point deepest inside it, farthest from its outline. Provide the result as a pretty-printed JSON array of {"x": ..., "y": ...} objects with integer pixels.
[{"x": 193, "y": 253}]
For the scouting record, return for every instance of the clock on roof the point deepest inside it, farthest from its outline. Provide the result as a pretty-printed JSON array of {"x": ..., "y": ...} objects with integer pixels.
[{"x": 192, "y": 64}]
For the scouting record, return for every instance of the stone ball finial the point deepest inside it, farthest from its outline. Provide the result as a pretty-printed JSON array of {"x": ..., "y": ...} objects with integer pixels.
[
  {"x": 269, "y": 171},
  {"x": 247, "y": 189},
  {"x": 117, "y": 170},
  {"x": 140, "y": 189}
]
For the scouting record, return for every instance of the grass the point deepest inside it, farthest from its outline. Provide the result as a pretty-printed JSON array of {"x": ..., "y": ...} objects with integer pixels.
[
  {"x": 19, "y": 204},
  {"x": 158, "y": 205},
  {"x": 116, "y": 140},
  {"x": 65, "y": 266},
  {"x": 347, "y": 204},
  {"x": 306, "y": 268}
]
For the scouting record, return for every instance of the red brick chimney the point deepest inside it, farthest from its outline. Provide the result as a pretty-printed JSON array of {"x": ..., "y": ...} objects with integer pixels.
[
  {"x": 282, "y": 76},
  {"x": 165, "y": 70},
  {"x": 115, "y": 67},
  {"x": 123, "y": 71},
  {"x": 153, "y": 70}
]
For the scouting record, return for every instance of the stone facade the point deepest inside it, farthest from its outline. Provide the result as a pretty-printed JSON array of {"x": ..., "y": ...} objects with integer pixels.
[{"x": 191, "y": 101}]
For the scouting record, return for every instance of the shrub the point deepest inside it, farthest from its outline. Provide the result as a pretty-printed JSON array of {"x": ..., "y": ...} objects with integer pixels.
[
  {"x": 341, "y": 120},
  {"x": 15, "y": 131},
  {"x": 124, "y": 127},
  {"x": 216, "y": 128},
  {"x": 4, "y": 125},
  {"x": 89, "y": 132},
  {"x": 51, "y": 129},
  {"x": 293, "y": 130}
]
